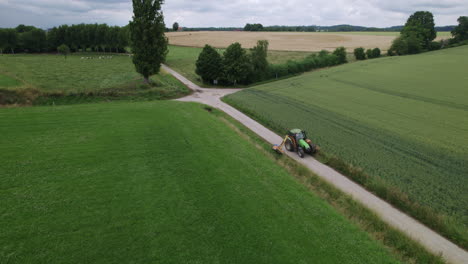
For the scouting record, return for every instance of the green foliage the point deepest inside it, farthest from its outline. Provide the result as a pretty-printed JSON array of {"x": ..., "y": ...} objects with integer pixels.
[
  {"x": 114, "y": 184},
  {"x": 420, "y": 25},
  {"x": 183, "y": 60},
  {"x": 435, "y": 45},
  {"x": 341, "y": 54},
  {"x": 63, "y": 50},
  {"x": 253, "y": 27},
  {"x": 425, "y": 165},
  {"x": 149, "y": 44},
  {"x": 82, "y": 37},
  {"x": 373, "y": 53},
  {"x": 175, "y": 26},
  {"x": 359, "y": 54},
  {"x": 258, "y": 57},
  {"x": 406, "y": 45},
  {"x": 236, "y": 64},
  {"x": 460, "y": 33},
  {"x": 376, "y": 53},
  {"x": 209, "y": 65}
]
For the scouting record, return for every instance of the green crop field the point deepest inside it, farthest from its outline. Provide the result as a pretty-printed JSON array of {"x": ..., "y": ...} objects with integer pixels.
[
  {"x": 183, "y": 59},
  {"x": 156, "y": 182},
  {"x": 404, "y": 119}
]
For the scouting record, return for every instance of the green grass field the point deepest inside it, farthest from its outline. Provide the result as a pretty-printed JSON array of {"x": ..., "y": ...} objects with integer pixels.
[
  {"x": 156, "y": 182},
  {"x": 51, "y": 73},
  {"x": 183, "y": 59},
  {"x": 76, "y": 80},
  {"x": 403, "y": 119}
]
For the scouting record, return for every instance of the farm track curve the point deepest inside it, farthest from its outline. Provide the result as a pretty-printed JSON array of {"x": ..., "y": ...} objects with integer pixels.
[{"x": 431, "y": 240}]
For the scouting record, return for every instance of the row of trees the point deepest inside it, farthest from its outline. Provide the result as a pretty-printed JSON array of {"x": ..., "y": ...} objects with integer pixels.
[
  {"x": 238, "y": 66},
  {"x": 419, "y": 33},
  {"x": 84, "y": 37},
  {"x": 260, "y": 27}
]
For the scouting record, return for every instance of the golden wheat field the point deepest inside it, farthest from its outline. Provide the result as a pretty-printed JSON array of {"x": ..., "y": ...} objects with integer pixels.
[{"x": 294, "y": 41}]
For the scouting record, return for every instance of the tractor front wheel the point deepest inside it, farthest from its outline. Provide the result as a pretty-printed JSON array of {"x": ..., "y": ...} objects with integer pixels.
[
  {"x": 300, "y": 152},
  {"x": 289, "y": 145}
]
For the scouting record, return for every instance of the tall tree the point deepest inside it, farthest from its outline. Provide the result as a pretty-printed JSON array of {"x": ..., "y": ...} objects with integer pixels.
[
  {"x": 258, "y": 56},
  {"x": 149, "y": 44},
  {"x": 420, "y": 25},
  {"x": 237, "y": 66},
  {"x": 209, "y": 65},
  {"x": 460, "y": 32},
  {"x": 175, "y": 26}
]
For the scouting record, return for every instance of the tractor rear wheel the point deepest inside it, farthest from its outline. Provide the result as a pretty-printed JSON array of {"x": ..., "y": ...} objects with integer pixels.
[{"x": 289, "y": 145}]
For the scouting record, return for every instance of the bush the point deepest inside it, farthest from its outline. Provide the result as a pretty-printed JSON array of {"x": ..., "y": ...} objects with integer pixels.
[
  {"x": 341, "y": 54},
  {"x": 376, "y": 53},
  {"x": 406, "y": 45},
  {"x": 414, "y": 45},
  {"x": 359, "y": 54},
  {"x": 64, "y": 50},
  {"x": 369, "y": 54},
  {"x": 435, "y": 45}
]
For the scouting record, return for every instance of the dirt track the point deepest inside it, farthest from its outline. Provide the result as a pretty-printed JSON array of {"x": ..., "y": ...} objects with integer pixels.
[{"x": 392, "y": 216}]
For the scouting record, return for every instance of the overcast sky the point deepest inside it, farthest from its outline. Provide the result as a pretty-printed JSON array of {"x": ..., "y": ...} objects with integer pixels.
[{"x": 232, "y": 13}]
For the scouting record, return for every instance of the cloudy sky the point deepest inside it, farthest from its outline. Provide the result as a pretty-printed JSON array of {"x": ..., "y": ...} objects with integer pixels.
[{"x": 235, "y": 13}]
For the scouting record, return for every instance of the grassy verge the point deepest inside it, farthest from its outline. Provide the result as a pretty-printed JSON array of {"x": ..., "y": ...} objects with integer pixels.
[
  {"x": 403, "y": 247},
  {"x": 443, "y": 224}
]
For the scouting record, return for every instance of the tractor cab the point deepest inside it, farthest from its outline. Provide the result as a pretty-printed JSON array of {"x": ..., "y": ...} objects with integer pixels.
[{"x": 297, "y": 134}]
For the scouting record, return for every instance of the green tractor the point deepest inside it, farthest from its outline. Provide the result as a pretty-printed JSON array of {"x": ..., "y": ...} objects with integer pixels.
[{"x": 296, "y": 141}]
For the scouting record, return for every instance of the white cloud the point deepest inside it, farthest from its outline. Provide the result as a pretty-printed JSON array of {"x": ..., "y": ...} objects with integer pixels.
[{"x": 204, "y": 13}]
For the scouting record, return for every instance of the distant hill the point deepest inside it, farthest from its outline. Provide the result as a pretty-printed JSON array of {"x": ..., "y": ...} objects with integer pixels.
[{"x": 312, "y": 28}]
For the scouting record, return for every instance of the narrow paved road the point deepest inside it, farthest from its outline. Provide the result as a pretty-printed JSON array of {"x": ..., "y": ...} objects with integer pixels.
[{"x": 392, "y": 216}]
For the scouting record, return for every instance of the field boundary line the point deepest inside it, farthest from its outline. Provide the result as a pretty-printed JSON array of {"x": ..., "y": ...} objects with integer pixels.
[{"x": 428, "y": 238}]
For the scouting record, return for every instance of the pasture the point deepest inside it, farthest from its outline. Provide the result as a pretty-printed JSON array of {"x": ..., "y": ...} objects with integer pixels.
[
  {"x": 403, "y": 119},
  {"x": 288, "y": 41},
  {"x": 153, "y": 182},
  {"x": 109, "y": 78}
]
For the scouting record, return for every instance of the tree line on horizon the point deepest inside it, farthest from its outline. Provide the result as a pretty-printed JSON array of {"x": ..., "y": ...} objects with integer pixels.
[{"x": 81, "y": 37}]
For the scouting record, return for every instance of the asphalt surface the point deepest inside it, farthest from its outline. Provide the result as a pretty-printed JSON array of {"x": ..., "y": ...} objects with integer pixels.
[{"x": 431, "y": 240}]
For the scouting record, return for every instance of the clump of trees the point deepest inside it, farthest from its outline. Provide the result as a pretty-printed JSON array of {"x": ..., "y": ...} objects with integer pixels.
[
  {"x": 84, "y": 37},
  {"x": 416, "y": 36},
  {"x": 460, "y": 32},
  {"x": 253, "y": 27},
  {"x": 239, "y": 66},
  {"x": 362, "y": 54},
  {"x": 419, "y": 33}
]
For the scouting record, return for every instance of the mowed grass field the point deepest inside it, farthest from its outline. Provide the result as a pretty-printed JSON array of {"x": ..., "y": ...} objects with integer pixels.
[
  {"x": 53, "y": 73},
  {"x": 156, "y": 182},
  {"x": 183, "y": 59},
  {"x": 289, "y": 41},
  {"x": 404, "y": 119}
]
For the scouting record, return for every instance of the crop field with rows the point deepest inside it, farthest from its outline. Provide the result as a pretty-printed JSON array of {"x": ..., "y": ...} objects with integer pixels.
[{"x": 404, "y": 119}]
